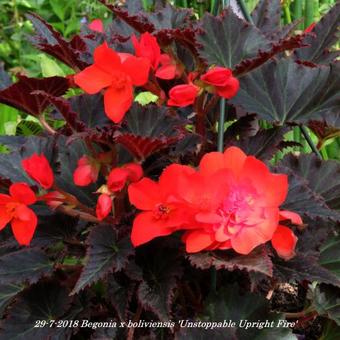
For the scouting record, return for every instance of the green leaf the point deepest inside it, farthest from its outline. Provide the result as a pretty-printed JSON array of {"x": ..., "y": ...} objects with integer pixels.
[
  {"x": 106, "y": 254},
  {"x": 27, "y": 265},
  {"x": 283, "y": 91},
  {"x": 330, "y": 255},
  {"x": 49, "y": 67},
  {"x": 144, "y": 98},
  {"x": 227, "y": 40},
  {"x": 326, "y": 300}
]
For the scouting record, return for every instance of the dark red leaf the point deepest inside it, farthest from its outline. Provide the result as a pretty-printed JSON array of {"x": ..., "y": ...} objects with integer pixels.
[
  {"x": 64, "y": 108},
  {"x": 282, "y": 45},
  {"x": 258, "y": 261},
  {"x": 20, "y": 95},
  {"x": 51, "y": 42},
  {"x": 324, "y": 35}
]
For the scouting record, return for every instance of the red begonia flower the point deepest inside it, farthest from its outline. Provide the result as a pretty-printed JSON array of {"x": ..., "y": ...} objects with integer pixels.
[
  {"x": 231, "y": 201},
  {"x": 14, "y": 210},
  {"x": 284, "y": 241},
  {"x": 86, "y": 172},
  {"x": 222, "y": 80},
  {"x": 39, "y": 169},
  {"x": 183, "y": 95},
  {"x": 104, "y": 206},
  {"x": 163, "y": 211},
  {"x": 117, "y": 74},
  {"x": 96, "y": 25},
  {"x": 118, "y": 177},
  {"x": 147, "y": 47},
  {"x": 168, "y": 69}
]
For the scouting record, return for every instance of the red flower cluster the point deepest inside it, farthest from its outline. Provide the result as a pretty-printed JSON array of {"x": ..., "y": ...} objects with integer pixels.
[
  {"x": 231, "y": 202},
  {"x": 217, "y": 80},
  {"x": 116, "y": 181},
  {"x": 14, "y": 207},
  {"x": 117, "y": 73},
  {"x": 162, "y": 64}
]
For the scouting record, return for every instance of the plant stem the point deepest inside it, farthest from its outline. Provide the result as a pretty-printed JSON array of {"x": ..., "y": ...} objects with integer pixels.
[
  {"x": 45, "y": 125},
  {"x": 297, "y": 137},
  {"x": 298, "y": 11},
  {"x": 309, "y": 12},
  {"x": 245, "y": 12},
  {"x": 286, "y": 10},
  {"x": 309, "y": 141},
  {"x": 220, "y": 137},
  {"x": 324, "y": 153}
]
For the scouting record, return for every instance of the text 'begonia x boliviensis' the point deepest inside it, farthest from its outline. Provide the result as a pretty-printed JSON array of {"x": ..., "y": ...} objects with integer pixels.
[
  {"x": 116, "y": 73},
  {"x": 14, "y": 209},
  {"x": 39, "y": 169},
  {"x": 230, "y": 202}
]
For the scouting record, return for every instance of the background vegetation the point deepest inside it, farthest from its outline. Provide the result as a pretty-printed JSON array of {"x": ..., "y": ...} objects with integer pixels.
[{"x": 67, "y": 16}]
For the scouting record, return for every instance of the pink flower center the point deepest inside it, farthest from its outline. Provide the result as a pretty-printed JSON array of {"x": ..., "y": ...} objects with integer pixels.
[{"x": 238, "y": 210}]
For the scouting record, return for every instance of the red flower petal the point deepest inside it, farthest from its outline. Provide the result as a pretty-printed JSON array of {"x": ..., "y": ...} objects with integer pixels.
[
  {"x": 249, "y": 238},
  {"x": 96, "y": 25},
  {"x": 146, "y": 227},
  {"x": 93, "y": 79},
  {"x": 117, "y": 102},
  {"x": 148, "y": 48},
  {"x": 229, "y": 90},
  {"x": 117, "y": 179},
  {"x": 138, "y": 70},
  {"x": 273, "y": 187},
  {"x": 292, "y": 216},
  {"x": 183, "y": 95},
  {"x": 23, "y": 230},
  {"x": 196, "y": 241},
  {"x": 233, "y": 159},
  {"x": 4, "y": 199},
  {"x": 166, "y": 72},
  {"x": 217, "y": 76},
  {"x": 145, "y": 194},
  {"x": 107, "y": 59},
  {"x": 22, "y": 193},
  {"x": 5, "y": 218},
  {"x": 284, "y": 242},
  {"x": 104, "y": 206},
  {"x": 135, "y": 171},
  {"x": 38, "y": 168}
]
